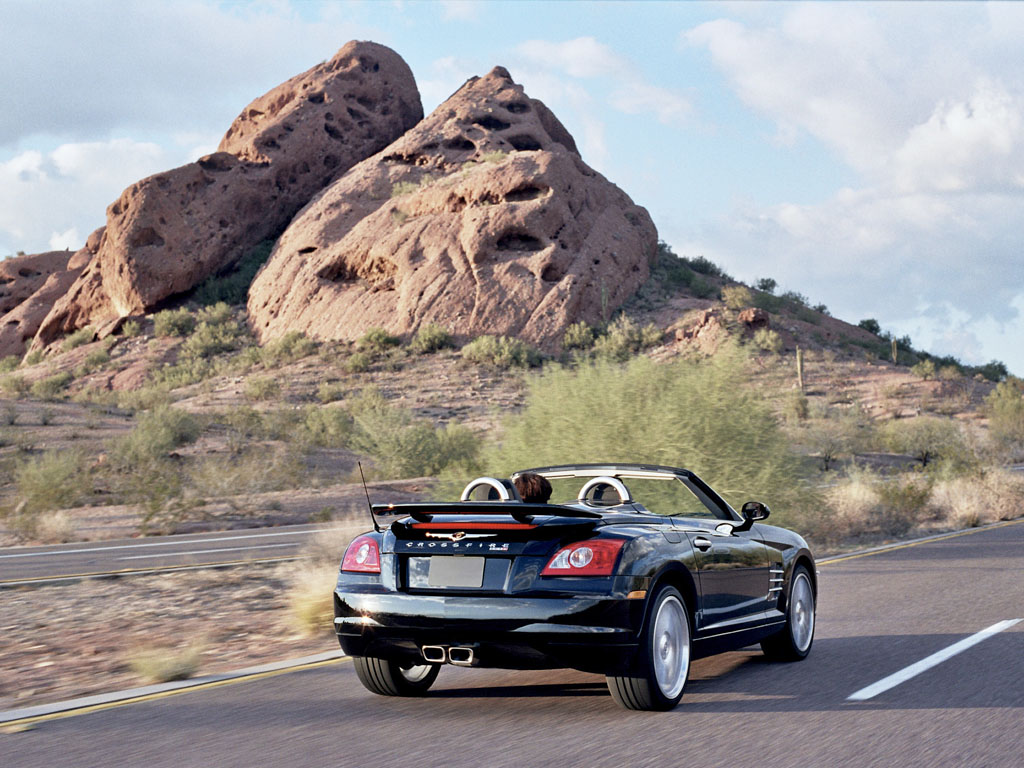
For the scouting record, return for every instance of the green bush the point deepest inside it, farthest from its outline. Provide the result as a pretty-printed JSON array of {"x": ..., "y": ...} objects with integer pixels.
[
  {"x": 329, "y": 392},
  {"x": 768, "y": 340},
  {"x": 56, "y": 480},
  {"x": 1004, "y": 407},
  {"x": 624, "y": 338},
  {"x": 78, "y": 338},
  {"x": 928, "y": 439},
  {"x": 737, "y": 297},
  {"x": 93, "y": 361},
  {"x": 358, "y": 362},
  {"x": 217, "y": 332},
  {"x": 262, "y": 388},
  {"x": 766, "y": 284},
  {"x": 578, "y": 336},
  {"x": 232, "y": 286},
  {"x": 924, "y": 369},
  {"x": 14, "y": 386},
  {"x": 430, "y": 338},
  {"x": 131, "y": 329},
  {"x": 501, "y": 352},
  {"x": 377, "y": 341},
  {"x": 493, "y": 157},
  {"x": 705, "y": 416},
  {"x": 705, "y": 267},
  {"x": 403, "y": 188},
  {"x": 33, "y": 357},
  {"x": 871, "y": 326},
  {"x": 173, "y": 322},
  {"x": 293, "y": 346},
  {"x": 52, "y": 387},
  {"x": 155, "y": 434},
  {"x": 9, "y": 363},
  {"x": 328, "y": 427}
]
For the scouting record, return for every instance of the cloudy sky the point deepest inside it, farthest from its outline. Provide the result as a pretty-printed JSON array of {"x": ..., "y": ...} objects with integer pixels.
[{"x": 869, "y": 156}]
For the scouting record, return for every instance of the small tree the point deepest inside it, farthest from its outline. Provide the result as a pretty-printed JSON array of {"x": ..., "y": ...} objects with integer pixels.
[
  {"x": 766, "y": 284},
  {"x": 927, "y": 439},
  {"x": 871, "y": 326},
  {"x": 1005, "y": 408},
  {"x": 737, "y": 297}
]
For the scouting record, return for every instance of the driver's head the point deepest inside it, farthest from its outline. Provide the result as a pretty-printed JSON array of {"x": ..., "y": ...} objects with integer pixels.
[{"x": 532, "y": 488}]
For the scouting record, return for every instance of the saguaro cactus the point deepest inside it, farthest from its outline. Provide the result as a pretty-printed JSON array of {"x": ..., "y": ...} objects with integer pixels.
[{"x": 800, "y": 368}]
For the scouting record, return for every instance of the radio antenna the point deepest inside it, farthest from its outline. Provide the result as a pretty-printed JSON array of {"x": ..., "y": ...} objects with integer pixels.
[{"x": 369, "y": 506}]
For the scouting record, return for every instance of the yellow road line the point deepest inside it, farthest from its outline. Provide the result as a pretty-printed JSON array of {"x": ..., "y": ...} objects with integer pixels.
[
  {"x": 919, "y": 543},
  {"x": 166, "y": 694},
  {"x": 133, "y": 571}
]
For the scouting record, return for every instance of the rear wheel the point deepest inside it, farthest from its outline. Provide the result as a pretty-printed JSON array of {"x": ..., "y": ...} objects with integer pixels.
[
  {"x": 390, "y": 678},
  {"x": 793, "y": 641},
  {"x": 665, "y": 658}
]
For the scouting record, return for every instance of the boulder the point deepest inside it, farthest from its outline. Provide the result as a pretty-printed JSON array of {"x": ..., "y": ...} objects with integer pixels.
[
  {"x": 21, "y": 276},
  {"x": 21, "y": 322},
  {"x": 754, "y": 318},
  {"x": 483, "y": 218},
  {"x": 171, "y": 231}
]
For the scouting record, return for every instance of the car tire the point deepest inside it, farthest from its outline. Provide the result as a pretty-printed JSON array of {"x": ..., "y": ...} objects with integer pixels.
[
  {"x": 390, "y": 678},
  {"x": 664, "y": 657},
  {"x": 793, "y": 642}
]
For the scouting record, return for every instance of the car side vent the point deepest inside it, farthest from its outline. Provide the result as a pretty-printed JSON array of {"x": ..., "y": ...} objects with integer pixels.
[{"x": 775, "y": 580}]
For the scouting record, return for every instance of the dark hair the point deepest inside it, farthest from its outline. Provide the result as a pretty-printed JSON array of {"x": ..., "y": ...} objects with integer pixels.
[{"x": 533, "y": 488}]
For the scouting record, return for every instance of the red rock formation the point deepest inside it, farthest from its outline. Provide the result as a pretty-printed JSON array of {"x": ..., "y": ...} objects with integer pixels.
[
  {"x": 21, "y": 322},
  {"x": 169, "y": 232},
  {"x": 21, "y": 276},
  {"x": 482, "y": 218},
  {"x": 754, "y": 318}
]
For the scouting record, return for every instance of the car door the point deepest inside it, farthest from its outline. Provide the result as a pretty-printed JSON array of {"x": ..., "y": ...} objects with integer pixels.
[{"x": 733, "y": 569}]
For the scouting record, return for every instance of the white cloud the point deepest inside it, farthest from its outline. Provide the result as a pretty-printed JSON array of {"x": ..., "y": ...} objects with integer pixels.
[
  {"x": 460, "y": 10},
  {"x": 582, "y": 57},
  {"x": 51, "y": 198},
  {"x": 928, "y": 241}
]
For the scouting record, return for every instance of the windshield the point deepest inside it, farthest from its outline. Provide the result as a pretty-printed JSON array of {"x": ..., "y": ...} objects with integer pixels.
[{"x": 662, "y": 496}]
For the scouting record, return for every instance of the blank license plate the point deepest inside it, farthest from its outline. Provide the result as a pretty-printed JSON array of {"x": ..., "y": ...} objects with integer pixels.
[{"x": 456, "y": 572}]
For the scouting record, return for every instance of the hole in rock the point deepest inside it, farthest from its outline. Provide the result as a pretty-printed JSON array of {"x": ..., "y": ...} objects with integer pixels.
[
  {"x": 491, "y": 123},
  {"x": 460, "y": 143},
  {"x": 144, "y": 237},
  {"x": 307, "y": 249},
  {"x": 519, "y": 241},
  {"x": 527, "y": 192},
  {"x": 333, "y": 132},
  {"x": 517, "y": 107},
  {"x": 355, "y": 114},
  {"x": 551, "y": 274},
  {"x": 316, "y": 98},
  {"x": 364, "y": 102},
  {"x": 524, "y": 142}
]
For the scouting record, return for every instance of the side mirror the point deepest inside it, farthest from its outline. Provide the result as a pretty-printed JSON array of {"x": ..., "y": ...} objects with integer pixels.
[{"x": 752, "y": 511}]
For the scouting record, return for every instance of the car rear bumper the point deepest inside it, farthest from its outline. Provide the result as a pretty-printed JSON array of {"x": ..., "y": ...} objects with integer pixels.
[{"x": 588, "y": 633}]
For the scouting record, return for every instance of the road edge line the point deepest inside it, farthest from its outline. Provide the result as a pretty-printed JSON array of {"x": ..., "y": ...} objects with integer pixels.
[
  {"x": 915, "y": 542},
  {"x": 98, "y": 702}
]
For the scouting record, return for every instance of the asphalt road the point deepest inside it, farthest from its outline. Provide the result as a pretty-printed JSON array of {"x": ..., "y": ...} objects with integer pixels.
[
  {"x": 57, "y": 561},
  {"x": 878, "y": 614}
]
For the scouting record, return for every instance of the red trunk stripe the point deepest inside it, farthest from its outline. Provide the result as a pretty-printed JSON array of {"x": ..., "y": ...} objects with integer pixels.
[{"x": 474, "y": 526}]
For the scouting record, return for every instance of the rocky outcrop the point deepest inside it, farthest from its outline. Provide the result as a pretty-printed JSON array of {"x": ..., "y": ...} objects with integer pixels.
[
  {"x": 754, "y": 318},
  {"x": 21, "y": 276},
  {"x": 171, "y": 231},
  {"x": 21, "y": 322},
  {"x": 482, "y": 218}
]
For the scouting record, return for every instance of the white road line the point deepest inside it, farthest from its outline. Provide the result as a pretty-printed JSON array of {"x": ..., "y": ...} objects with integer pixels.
[
  {"x": 201, "y": 551},
  {"x": 179, "y": 543},
  {"x": 927, "y": 663}
]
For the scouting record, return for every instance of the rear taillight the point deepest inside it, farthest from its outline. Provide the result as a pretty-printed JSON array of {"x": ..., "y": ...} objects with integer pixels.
[
  {"x": 362, "y": 556},
  {"x": 585, "y": 558}
]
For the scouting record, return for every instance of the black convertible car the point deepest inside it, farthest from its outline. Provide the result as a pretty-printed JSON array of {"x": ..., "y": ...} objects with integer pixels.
[{"x": 639, "y": 570}]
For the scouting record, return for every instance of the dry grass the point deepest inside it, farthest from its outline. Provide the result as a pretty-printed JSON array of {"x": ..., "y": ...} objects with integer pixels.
[
  {"x": 55, "y": 527},
  {"x": 161, "y": 665},
  {"x": 311, "y": 581},
  {"x": 970, "y": 501}
]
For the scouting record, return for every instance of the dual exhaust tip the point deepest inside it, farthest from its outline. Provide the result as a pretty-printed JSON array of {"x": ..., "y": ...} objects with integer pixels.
[{"x": 459, "y": 655}]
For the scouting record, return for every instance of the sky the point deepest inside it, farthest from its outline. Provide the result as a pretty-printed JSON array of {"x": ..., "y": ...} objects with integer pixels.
[{"x": 867, "y": 155}]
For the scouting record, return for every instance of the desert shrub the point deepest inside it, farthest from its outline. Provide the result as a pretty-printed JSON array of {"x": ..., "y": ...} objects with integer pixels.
[
  {"x": 93, "y": 361},
  {"x": 705, "y": 416},
  {"x": 578, "y": 336},
  {"x": 131, "y": 329},
  {"x": 1004, "y": 407},
  {"x": 737, "y": 297},
  {"x": 624, "y": 338},
  {"x": 793, "y": 297},
  {"x": 924, "y": 369},
  {"x": 257, "y": 470},
  {"x": 9, "y": 363},
  {"x": 903, "y": 502},
  {"x": 52, "y": 387},
  {"x": 766, "y": 284},
  {"x": 768, "y": 340},
  {"x": 928, "y": 439},
  {"x": 9, "y": 415},
  {"x": 978, "y": 498},
  {"x": 430, "y": 338},
  {"x": 55, "y": 480},
  {"x": 797, "y": 407},
  {"x": 78, "y": 338},
  {"x": 262, "y": 388},
  {"x": 403, "y": 446},
  {"x": 173, "y": 322},
  {"x": 33, "y": 357},
  {"x": 871, "y": 326},
  {"x": 328, "y": 427},
  {"x": 232, "y": 286},
  {"x": 501, "y": 352},
  {"x": 54, "y": 527},
  {"x": 144, "y": 399},
  {"x": 217, "y": 332},
  {"x": 14, "y": 385},
  {"x": 161, "y": 665},
  {"x": 403, "y": 188},
  {"x": 155, "y": 433},
  {"x": 377, "y": 341},
  {"x": 329, "y": 392},
  {"x": 293, "y": 346},
  {"x": 493, "y": 157},
  {"x": 838, "y": 433},
  {"x": 358, "y": 362},
  {"x": 705, "y": 266}
]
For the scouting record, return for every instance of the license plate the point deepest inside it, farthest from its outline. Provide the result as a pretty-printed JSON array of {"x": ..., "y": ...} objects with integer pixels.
[{"x": 465, "y": 572}]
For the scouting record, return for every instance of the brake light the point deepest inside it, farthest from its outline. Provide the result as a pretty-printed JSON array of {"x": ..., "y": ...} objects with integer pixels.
[
  {"x": 362, "y": 556},
  {"x": 595, "y": 557}
]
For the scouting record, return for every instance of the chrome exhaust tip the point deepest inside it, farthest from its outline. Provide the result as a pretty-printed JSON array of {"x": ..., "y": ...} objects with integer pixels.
[
  {"x": 435, "y": 654},
  {"x": 461, "y": 656}
]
